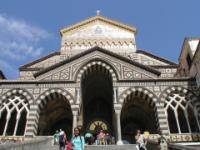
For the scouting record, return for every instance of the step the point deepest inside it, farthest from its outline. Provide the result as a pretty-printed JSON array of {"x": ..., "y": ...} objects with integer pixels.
[{"x": 111, "y": 147}]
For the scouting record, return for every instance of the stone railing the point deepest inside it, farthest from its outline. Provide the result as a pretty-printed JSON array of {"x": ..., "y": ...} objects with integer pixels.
[
  {"x": 35, "y": 144},
  {"x": 12, "y": 138},
  {"x": 181, "y": 147}
]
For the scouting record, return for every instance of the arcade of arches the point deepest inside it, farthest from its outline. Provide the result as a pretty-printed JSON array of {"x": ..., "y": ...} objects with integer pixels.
[
  {"x": 138, "y": 110},
  {"x": 100, "y": 80}
]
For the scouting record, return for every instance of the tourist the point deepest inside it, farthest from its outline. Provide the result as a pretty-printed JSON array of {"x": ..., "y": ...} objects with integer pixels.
[
  {"x": 107, "y": 139},
  {"x": 68, "y": 145},
  {"x": 162, "y": 142},
  {"x": 56, "y": 137},
  {"x": 62, "y": 139},
  {"x": 78, "y": 141},
  {"x": 88, "y": 138},
  {"x": 112, "y": 139},
  {"x": 101, "y": 137},
  {"x": 140, "y": 141}
]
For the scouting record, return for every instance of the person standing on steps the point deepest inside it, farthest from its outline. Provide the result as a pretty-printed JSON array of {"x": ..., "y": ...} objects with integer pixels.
[
  {"x": 61, "y": 140},
  {"x": 162, "y": 141},
  {"x": 56, "y": 138},
  {"x": 78, "y": 141},
  {"x": 88, "y": 138},
  {"x": 140, "y": 141}
]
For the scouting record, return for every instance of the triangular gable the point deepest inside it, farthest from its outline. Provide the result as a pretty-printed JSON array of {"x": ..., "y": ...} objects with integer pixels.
[
  {"x": 125, "y": 68},
  {"x": 101, "y": 18}
]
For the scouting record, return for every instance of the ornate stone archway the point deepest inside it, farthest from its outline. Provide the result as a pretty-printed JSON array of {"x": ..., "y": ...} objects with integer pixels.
[
  {"x": 90, "y": 66},
  {"x": 14, "y": 110},
  {"x": 41, "y": 102},
  {"x": 139, "y": 111},
  {"x": 96, "y": 78},
  {"x": 182, "y": 109}
]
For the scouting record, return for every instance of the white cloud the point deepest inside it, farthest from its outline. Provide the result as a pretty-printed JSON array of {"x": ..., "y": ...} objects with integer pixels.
[{"x": 20, "y": 40}]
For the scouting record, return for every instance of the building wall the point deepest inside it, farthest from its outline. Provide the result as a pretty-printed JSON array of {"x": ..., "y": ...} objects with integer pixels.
[{"x": 1, "y": 75}]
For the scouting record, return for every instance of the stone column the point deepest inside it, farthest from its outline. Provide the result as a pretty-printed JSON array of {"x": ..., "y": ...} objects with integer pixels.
[
  {"x": 161, "y": 117},
  {"x": 115, "y": 95},
  {"x": 78, "y": 96},
  {"x": 119, "y": 136},
  {"x": 32, "y": 122},
  {"x": 75, "y": 117}
]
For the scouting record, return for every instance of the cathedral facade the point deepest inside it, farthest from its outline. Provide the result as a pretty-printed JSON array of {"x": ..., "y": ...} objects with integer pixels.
[{"x": 100, "y": 80}]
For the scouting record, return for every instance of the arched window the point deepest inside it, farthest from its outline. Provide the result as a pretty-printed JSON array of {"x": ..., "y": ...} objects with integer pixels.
[
  {"x": 13, "y": 115},
  {"x": 172, "y": 119},
  {"x": 181, "y": 114}
]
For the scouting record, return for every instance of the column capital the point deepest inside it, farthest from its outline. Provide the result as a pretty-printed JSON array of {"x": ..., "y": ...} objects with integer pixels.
[
  {"x": 118, "y": 108},
  {"x": 75, "y": 112},
  {"x": 117, "y": 111}
]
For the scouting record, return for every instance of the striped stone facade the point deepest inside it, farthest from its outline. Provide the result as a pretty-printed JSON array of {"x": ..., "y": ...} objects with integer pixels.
[{"x": 142, "y": 86}]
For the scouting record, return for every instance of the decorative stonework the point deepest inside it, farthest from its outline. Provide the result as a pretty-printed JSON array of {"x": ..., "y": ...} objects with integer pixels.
[
  {"x": 62, "y": 75},
  {"x": 183, "y": 91},
  {"x": 122, "y": 70},
  {"x": 97, "y": 33},
  {"x": 133, "y": 74},
  {"x": 181, "y": 102},
  {"x": 14, "y": 92},
  {"x": 141, "y": 91},
  {"x": 129, "y": 73},
  {"x": 92, "y": 65},
  {"x": 44, "y": 96}
]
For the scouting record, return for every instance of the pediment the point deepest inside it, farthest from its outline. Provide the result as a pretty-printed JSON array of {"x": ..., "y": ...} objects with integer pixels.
[
  {"x": 97, "y": 21},
  {"x": 97, "y": 30},
  {"x": 124, "y": 68}
]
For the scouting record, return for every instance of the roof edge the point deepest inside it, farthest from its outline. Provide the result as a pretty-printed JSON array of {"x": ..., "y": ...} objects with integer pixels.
[
  {"x": 156, "y": 57},
  {"x": 21, "y": 68}
]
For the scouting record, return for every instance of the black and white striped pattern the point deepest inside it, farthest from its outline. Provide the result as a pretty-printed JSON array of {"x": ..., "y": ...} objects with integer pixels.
[
  {"x": 149, "y": 97},
  {"x": 184, "y": 93},
  {"x": 20, "y": 92},
  {"x": 51, "y": 94},
  {"x": 96, "y": 66}
]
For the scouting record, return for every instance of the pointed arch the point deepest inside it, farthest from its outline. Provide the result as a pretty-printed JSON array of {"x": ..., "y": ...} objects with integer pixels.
[
  {"x": 14, "y": 110},
  {"x": 185, "y": 106}
]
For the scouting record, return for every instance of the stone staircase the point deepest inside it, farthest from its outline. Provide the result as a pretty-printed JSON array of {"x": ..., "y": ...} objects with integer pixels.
[
  {"x": 111, "y": 147},
  {"x": 45, "y": 143}
]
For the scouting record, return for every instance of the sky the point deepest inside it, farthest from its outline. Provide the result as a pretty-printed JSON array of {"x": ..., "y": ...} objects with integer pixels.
[{"x": 30, "y": 29}]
